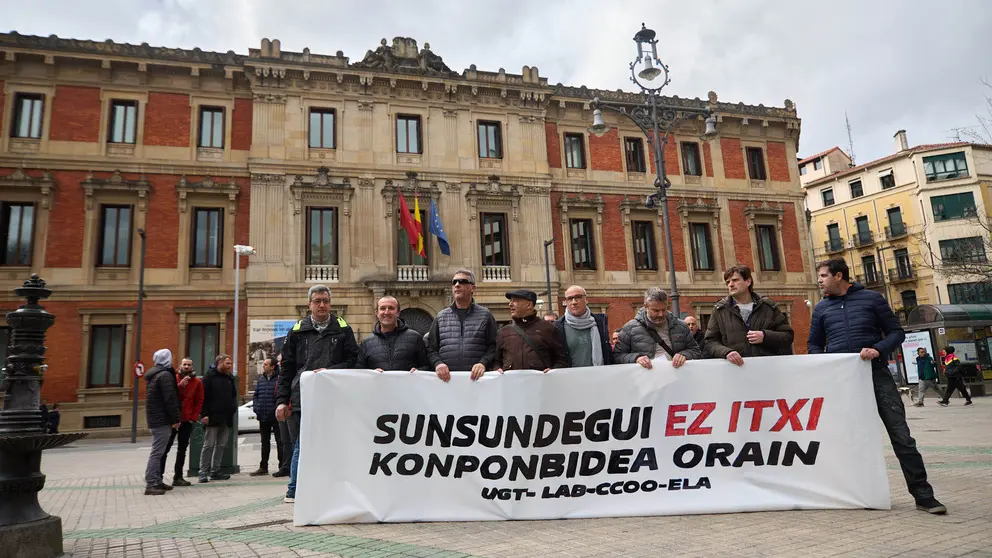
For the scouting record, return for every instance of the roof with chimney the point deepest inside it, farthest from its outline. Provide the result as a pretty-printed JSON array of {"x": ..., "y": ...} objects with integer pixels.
[{"x": 924, "y": 148}]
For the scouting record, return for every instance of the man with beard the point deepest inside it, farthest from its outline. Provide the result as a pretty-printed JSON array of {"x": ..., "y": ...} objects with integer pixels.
[
  {"x": 392, "y": 345},
  {"x": 220, "y": 403},
  {"x": 586, "y": 339},
  {"x": 527, "y": 342},
  {"x": 746, "y": 323},
  {"x": 655, "y": 333},
  {"x": 191, "y": 395}
]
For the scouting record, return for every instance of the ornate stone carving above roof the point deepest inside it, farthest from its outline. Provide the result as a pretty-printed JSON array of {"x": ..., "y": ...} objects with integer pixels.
[
  {"x": 580, "y": 201},
  {"x": 763, "y": 209},
  {"x": 698, "y": 205},
  {"x": 108, "y": 47},
  {"x": 208, "y": 186},
  {"x": 627, "y": 205},
  {"x": 410, "y": 187},
  {"x": 493, "y": 194},
  {"x": 322, "y": 188},
  {"x": 116, "y": 183},
  {"x": 21, "y": 181},
  {"x": 403, "y": 56}
]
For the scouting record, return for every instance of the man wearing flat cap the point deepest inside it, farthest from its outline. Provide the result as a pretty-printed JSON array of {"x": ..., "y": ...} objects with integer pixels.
[{"x": 528, "y": 342}]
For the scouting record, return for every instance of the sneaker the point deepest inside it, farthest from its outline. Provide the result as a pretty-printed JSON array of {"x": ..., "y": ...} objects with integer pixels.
[
  {"x": 942, "y": 403},
  {"x": 219, "y": 476},
  {"x": 179, "y": 481},
  {"x": 259, "y": 473},
  {"x": 204, "y": 479},
  {"x": 931, "y": 505},
  {"x": 968, "y": 402},
  {"x": 920, "y": 404},
  {"x": 164, "y": 486},
  {"x": 281, "y": 473},
  {"x": 289, "y": 500},
  {"x": 153, "y": 491}
]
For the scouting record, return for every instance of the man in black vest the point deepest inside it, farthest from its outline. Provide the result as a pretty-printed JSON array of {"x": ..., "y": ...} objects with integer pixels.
[{"x": 463, "y": 336}]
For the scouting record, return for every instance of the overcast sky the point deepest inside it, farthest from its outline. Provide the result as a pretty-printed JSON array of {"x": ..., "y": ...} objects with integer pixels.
[{"x": 890, "y": 64}]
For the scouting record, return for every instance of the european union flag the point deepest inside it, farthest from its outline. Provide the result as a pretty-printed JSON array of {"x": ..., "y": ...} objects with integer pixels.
[{"x": 437, "y": 229}]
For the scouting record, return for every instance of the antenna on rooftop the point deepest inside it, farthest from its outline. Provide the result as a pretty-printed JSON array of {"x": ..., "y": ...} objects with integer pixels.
[{"x": 850, "y": 139}]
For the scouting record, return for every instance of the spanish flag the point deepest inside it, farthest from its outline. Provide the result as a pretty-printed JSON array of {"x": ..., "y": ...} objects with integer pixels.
[{"x": 420, "y": 227}]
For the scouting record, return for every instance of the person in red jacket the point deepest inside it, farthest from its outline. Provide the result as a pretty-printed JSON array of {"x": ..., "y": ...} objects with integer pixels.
[{"x": 191, "y": 395}]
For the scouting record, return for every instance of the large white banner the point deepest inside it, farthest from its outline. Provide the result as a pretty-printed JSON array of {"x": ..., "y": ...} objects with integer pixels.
[{"x": 779, "y": 433}]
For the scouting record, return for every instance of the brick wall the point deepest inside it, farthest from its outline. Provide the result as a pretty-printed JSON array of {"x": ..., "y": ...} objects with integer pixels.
[
  {"x": 241, "y": 124},
  {"x": 614, "y": 238},
  {"x": 795, "y": 259},
  {"x": 778, "y": 164},
  {"x": 707, "y": 159},
  {"x": 671, "y": 159},
  {"x": 75, "y": 114},
  {"x": 733, "y": 158},
  {"x": 554, "y": 144},
  {"x": 742, "y": 236},
  {"x": 162, "y": 221},
  {"x": 67, "y": 220},
  {"x": 605, "y": 153},
  {"x": 160, "y": 329},
  {"x": 167, "y": 120},
  {"x": 678, "y": 241},
  {"x": 800, "y": 324}
]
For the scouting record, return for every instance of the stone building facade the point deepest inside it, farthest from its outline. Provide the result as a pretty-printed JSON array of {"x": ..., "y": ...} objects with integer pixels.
[{"x": 304, "y": 156}]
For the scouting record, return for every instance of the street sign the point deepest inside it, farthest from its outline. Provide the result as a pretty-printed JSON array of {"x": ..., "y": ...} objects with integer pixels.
[
  {"x": 139, "y": 369},
  {"x": 940, "y": 331}
]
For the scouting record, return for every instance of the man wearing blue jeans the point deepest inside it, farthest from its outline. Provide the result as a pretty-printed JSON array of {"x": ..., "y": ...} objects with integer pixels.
[{"x": 321, "y": 341}]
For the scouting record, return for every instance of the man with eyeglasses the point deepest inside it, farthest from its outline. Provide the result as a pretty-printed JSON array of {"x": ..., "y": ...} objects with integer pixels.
[
  {"x": 587, "y": 342},
  {"x": 463, "y": 336},
  {"x": 321, "y": 341}
]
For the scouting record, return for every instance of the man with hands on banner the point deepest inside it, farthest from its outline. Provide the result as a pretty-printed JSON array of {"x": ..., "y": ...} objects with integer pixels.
[
  {"x": 853, "y": 319},
  {"x": 528, "y": 342},
  {"x": 319, "y": 342},
  {"x": 587, "y": 341},
  {"x": 392, "y": 345},
  {"x": 463, "y": 336},
  {"x": 655, "y": 332},
  {"x": 745, "y": 323}
]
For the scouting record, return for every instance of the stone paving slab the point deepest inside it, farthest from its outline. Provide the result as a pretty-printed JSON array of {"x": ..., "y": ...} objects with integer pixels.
[{"x": 96, "y": 487}]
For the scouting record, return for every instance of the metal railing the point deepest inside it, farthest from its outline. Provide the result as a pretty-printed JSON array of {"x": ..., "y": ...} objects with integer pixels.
[
  {"x": 896, "y": 231},
  {"x": 865, "y": 238},
  {"x": 902, "y": 273},
  {"x": 833, "y": 245}
]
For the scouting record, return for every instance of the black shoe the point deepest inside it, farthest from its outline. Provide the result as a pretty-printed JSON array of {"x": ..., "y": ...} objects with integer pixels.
[
  {"x": 179, "y": 481},
  {"x": 164, "y": 486},
  {"x": 153, "y": 491},
  {"x": 204, "y": 479},
  {"x": 219, "y": 476},
  {"x": 931, "y": 505},
  {"x": 968, "y": 402},
  {"x": 943, "y": 403},
  {"x": 259, "y": 473},
  {"x": 281, "y": 473}
]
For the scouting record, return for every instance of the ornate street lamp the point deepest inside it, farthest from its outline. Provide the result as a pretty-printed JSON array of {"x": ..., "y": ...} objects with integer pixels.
[{"x": 657, "y": 121}]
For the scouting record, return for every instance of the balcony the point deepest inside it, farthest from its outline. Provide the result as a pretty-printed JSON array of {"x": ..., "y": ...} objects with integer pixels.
[
  {"x": 863, "y": 238},
  {"x": 496, "y": 273},
  {"x": 414, "y": 273},
  {"x": 833, "y": 245},
  {"x": 895, "y": 231},
  {"x": 902, "y": 273},
  {"x": 870, "y": 279},
  {"x": 321, "y": 274}
]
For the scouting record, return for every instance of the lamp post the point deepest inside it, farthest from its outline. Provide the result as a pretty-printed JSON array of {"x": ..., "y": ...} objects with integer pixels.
[
  {"x": 547, "y": 271},
  {"x": 657, "y": 121},
  {"x": 239, "y": 250},
  {"x": 137, "y": 341}
]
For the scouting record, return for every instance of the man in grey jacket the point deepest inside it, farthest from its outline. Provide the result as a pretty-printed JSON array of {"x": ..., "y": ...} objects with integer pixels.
[
  {"x": 164, "y": 413},
  {"x": 655, "y": 332},
  {"x": 463, "y": 336}
]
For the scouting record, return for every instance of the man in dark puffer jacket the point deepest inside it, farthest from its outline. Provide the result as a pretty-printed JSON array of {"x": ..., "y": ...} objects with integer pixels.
[
  {"x": 852, "y": 319},
  {"x": 392, "y": 346}
]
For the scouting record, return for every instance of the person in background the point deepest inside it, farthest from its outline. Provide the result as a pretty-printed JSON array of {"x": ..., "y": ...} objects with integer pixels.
[
  {"x": 54, "y": 418},
  {"x": 699, "y": 335},
  {"x": 853, "y": 319},
  {"x": 191, "y": 395},
  {"x": 44, "y": 415},
  {"x": 926, "y": 371},
  {"x": 264, "y": 405},
  {"x": 220, "y": 403},
  {"x": 550, "y": 316},
  {"x": 955, "y": 378},
  {"x": 283, "y": 427},
  {"x": 615, "y": 338}
]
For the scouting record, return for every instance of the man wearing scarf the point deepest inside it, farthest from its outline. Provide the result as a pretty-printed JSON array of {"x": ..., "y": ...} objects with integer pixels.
[{"x": 587, "y": 342}]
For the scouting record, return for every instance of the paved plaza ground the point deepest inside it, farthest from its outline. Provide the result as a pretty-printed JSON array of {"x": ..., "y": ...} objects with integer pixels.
[{"x": 96, "y": 487}]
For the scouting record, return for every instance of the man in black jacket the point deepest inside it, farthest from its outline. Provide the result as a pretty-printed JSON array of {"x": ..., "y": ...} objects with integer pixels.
[
  {"x": 220, "y": 402},
  {"x": 392, "y": 345},
  {"x": 264, "y": 406},
  {"x": 955, "y": 379},
  {"x": 321, "y": 341},
  {"x": 163, "y": 411},
  {"x": 852, "y": 319},
  {"x": 463, "y": 336}
]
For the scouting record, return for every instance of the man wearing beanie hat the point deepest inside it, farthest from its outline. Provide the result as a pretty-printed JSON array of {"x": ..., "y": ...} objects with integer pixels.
[
  {"x": 164, "y": 413},
  {"x": 528, "y": 342}
]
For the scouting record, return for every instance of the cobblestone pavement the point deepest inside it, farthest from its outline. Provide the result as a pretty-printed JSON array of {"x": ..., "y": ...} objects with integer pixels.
[{"x": 96, "y": 487}]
